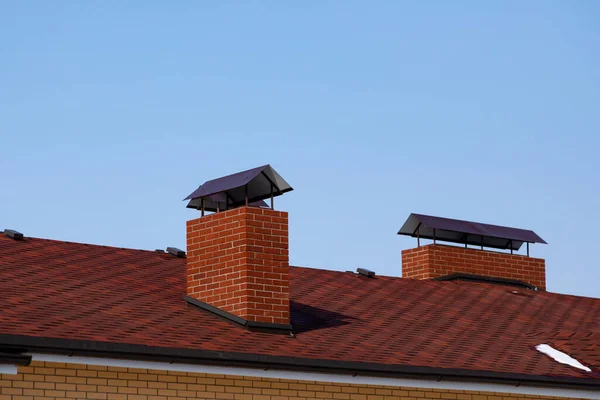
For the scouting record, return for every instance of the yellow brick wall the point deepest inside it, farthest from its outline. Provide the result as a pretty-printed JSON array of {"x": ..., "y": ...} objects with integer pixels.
[{"x": 53, "y": 381}]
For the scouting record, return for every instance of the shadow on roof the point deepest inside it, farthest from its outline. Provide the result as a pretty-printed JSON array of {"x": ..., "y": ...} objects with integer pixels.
[{"x": 307, "y": 318}]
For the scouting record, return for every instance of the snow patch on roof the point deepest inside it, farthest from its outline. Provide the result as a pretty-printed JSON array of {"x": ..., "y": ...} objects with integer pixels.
[{"x": 561, "y": 357}]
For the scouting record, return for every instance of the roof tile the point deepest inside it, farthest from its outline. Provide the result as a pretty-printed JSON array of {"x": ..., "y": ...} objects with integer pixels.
[{"x": 68, "y": 290}]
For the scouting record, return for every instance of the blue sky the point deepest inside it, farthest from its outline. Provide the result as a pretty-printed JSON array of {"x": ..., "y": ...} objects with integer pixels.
[{"x": 112, "y": 112}]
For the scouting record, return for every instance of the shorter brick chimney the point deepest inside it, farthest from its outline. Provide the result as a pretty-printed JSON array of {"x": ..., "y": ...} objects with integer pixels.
[
  {"x": 237, "y": 262},
  {"x": 436, "y": 260}
]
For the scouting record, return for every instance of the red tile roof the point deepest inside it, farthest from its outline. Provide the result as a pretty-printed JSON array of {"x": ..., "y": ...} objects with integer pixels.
[{"x": 54, "y": 289}]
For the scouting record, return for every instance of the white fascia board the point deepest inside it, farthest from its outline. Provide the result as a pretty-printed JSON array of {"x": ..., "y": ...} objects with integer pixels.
[{"x": 322, "y": 377}]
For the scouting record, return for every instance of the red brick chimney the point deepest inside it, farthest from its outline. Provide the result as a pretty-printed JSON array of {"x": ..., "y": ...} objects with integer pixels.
[
  {"x": 237, "y": 262},
  {"x": 237, "y": 258},
  {"x": 437, "y": 261}
]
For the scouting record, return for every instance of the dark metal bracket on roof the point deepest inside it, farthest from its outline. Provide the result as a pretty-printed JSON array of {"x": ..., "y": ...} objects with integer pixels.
[
  {"x": 11, "y": 233},
  {"x": 176, "y": 252},
  {"x": 467, "y": 233},
  {"x": 251, "y": 325},
  {"x": 246, "y": 188},
  {"x": 365, "y": 272}
]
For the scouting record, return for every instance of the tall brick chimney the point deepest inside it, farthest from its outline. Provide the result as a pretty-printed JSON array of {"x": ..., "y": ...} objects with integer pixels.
[
  {"x": 438, "y": 261},
  {"x": 237, "y": 257},
  {"x": 237, "y": 261}
]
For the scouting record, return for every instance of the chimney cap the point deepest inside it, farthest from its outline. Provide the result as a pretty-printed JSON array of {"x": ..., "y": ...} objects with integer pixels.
[
  {"x": 466, "y": 232},
  {"x": 220, "y": 199},
  {"x": 243, "y": 187}
]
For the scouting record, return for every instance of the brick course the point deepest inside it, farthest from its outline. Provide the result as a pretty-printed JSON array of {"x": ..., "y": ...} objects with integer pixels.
[
  {"x": 435, "y": 260},
  {"x": 238, "y": 261},
  {"x": 56, "y": 381}
]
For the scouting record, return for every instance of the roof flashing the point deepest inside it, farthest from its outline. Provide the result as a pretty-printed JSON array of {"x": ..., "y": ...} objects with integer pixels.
[
  {"x": 460, "y": 276},
  {"x": 251, "y": 325}
]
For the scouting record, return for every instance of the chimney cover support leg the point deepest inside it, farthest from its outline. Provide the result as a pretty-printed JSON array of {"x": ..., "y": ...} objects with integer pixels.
[{"x": 418, "y": 235}]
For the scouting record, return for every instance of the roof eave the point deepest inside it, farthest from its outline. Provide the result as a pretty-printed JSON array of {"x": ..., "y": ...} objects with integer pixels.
[{"x": 178, "y": 355}]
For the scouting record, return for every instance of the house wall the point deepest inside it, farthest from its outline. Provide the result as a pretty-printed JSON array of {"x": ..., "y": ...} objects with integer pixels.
[{"x": 50, "y": 381}]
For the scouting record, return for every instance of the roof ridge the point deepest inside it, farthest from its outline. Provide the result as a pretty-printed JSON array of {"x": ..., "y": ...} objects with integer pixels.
[
  {"x": 337, "y": 272},
  {"x": 438, "y": 282},
  {"x": 28, "y": 238}
]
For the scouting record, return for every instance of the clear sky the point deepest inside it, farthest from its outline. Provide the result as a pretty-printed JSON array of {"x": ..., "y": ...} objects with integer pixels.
[{"x": 112, "y": 112}]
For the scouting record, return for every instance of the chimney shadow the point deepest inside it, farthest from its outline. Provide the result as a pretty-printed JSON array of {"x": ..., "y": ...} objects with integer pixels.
[{"x": 307, "y": 318}]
